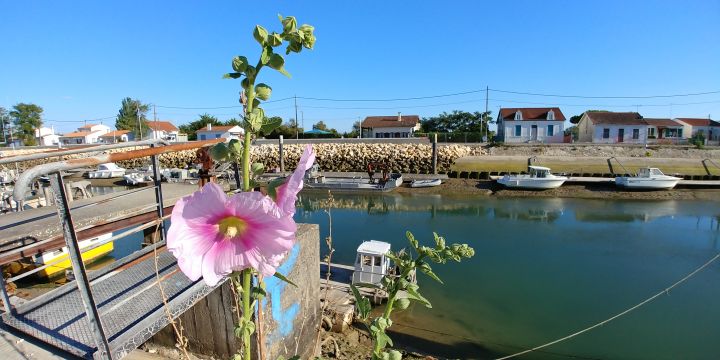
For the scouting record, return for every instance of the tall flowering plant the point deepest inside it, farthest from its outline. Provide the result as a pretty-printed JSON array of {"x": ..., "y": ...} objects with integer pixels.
[{"x": 216, "y": 236}]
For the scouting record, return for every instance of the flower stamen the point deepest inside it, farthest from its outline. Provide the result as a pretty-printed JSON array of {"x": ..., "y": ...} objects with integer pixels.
[{"x": 232, "y": 226}]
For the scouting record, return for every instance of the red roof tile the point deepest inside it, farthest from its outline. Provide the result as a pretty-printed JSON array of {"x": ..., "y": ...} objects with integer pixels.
[
  {"x": 699, "y": 122},
  {"x": 116, "y": 133},
  {"x": 77, "y": 134},
  {"x": 162, "y": 126},
  {"x": 617, "y": 118},
  {"x": 531, "y": 113},
  {"x": 390, "y": 121},
  {"x": 88, "y": 126},
  {"x": 662, "y": 122},
  {"x": 216, "y": 128}
]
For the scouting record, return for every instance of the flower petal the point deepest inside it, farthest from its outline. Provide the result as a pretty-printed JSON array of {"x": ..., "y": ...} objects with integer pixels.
[
  {"x": 205, "y": 205},
  {"x": 287, "y": 192}
]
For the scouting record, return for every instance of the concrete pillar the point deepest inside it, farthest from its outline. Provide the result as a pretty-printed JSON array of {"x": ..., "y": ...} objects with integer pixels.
[
  {"x": 434, "y": 154},
  {"x": 290, "y": 314},
  {"x": 282, "y": 158}
]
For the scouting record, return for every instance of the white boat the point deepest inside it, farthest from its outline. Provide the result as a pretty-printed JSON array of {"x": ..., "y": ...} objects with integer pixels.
[
  {"x": 386, "y": 182},
  {"x": 372, "y": 263},
  {"x": 425, "y": 183},
  {"x": 107, "y": 171},
  {"x": 137, "y": 178},
  {"x": 539, "y": 177},
  {"x": 647, "y": 178}
]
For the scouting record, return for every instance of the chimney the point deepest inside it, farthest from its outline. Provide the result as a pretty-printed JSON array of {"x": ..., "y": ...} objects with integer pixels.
[
  {"x": 399, "y": 116},
  {"x": 209, "y": 126}
]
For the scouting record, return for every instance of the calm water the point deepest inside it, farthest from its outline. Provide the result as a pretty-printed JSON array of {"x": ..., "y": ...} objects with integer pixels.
[{"x": 545, "y": 268}]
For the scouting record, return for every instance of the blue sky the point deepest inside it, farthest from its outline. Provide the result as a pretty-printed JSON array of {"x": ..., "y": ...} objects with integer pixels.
[{"x": 79, "y": 59}]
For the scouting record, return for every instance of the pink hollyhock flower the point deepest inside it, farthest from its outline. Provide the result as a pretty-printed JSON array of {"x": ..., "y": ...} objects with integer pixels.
[
  {"x": 287, "y": 192},
  {"x": 213, "y": 235}
]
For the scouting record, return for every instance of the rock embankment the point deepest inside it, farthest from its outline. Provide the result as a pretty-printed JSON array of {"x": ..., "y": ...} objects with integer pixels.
[
  {"x": 592, "y": 150},
  {"x": 406, "y": 158}
]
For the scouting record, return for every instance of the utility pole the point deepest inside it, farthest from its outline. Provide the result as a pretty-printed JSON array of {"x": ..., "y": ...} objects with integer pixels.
[
  {"x": 137, "y": 114},
  {"x": 487, "y": 131},
  {"x": 154, "y": 113},
  {"x": 296, "y": 119},
  {"x": 302, "y": 115}
]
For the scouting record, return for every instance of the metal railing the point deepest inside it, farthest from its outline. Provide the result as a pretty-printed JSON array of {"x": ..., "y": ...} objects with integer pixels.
[{"x": 69, "y": 231}]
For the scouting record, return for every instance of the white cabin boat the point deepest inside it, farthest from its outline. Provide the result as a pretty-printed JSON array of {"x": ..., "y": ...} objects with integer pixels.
[
  {"x": 538, "y": 177},
  {"x": 388, "y": 181},
  {"x": 137, "y": 178},
  {"x": 371, "y": 264},
  {"x": 107, "y": 171},
  {"x": 425, "y": 183},
  {"x": 648, "y": 178}
]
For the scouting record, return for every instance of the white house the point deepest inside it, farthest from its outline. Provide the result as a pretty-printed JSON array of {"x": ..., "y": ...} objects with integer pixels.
[
  {"x": 46, "y": 136},
  {"x": 710, "y": 129},
  {"x": 665, "y": 131},
  {"x": 216, "y": 132},
  {"x": 163, "y": 130},
  {"x": 612, "y": 127},
  {"x": 88, "y": 134},
  {"x": 522, "y": 125},
  {"x": 400, "y": 126},
  {"x": 116, "y": 136}
]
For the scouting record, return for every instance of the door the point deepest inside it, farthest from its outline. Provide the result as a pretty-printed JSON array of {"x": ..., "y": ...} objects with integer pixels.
[
  {"x": 533, "y": 132},
  {"x": 621, "y": 135}
]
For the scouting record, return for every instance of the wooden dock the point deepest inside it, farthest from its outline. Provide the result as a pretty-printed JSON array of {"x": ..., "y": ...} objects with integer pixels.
[{"x": 611, "y": 181}]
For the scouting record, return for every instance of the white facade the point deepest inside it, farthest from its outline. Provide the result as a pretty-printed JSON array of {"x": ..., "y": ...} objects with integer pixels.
[
  {"x": 391, "y": 132},
  {"x": 614, "y": 133},
  {"x": 46, "y": 136},
  {"x": 216, "y": 132},
  {"x": 710, "y": 131},
  {"x": 89, "y": 134},
  {"x": 523, "y": 131},
  {"x": 162, "y": 130}
]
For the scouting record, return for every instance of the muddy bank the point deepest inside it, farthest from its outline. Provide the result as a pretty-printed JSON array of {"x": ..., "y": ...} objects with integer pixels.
[{"x": 590, "y": 191}]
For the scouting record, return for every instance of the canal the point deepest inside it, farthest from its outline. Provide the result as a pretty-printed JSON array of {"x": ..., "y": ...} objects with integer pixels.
[{"x": 546, "y": 268}]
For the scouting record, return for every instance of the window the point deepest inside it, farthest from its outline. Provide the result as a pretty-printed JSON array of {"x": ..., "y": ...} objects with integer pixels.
[
  {"x": 550, "y": 131},
  {"x": 367, "y": 260},
  {"x": 606, "y": 133},
  {"x": 518, "y": 130},
  {"x": 217, "y": 136},
  {"x": 377, "y": 260},
  {"x": 551, "y": 115},
  {"x": 679, "y": 133},
  {"x": 636, "y": 134},
  {"x": 652, "y": 132},
  {"x": 518, "y": 116},
  {"x": 202, "y": 137}
]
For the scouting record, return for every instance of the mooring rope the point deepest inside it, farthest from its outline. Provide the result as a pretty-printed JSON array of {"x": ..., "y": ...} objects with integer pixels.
[{"x": 664, "y": 291}]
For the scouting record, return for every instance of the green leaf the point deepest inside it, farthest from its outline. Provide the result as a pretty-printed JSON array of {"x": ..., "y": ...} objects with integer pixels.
[
  {"x": 260, "y": 34},
  {"x": 235, "y": 148},
  {"x": 239, "y": 63},
  {"x": 274, "y": 39},
  {"x": 255, "y": 119},
  {"x": 277, "y": 62},
  {"x": 283, "y": 278},
  {"x": 271, "y": 124},
  {"x": 265, "y": 55},
  {"x": 427, "y": 270},
  {"x": 251, "y": 72},
  {"x": 232, "y": 75},
  {"x": 257, "y": 292},
  {"x": 263, "y": 91},
  {"x": 294, "y": 46},
  {"x": 413, "y": 294},
  {"x": 273, "y": 185},
  {"x": 308, "y": 39},
  {"x": 219, "y": 152},
  {"x": 402, "y": 304},
  {"x": 362, "y": 304},
  {"x": 411, "y": 239},
  {"x": 439, "y": 241},
  {"x": 257, "y": 168}
]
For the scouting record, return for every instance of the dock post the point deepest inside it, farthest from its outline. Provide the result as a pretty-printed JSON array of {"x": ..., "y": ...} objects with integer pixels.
[
  {"x": 5, "y": 296},
  {"x": 707, "y": 170},
  {"x": 157, "y": 180},
  {"x": 78, "y": 267},
  {"x": 434, "y": 154},
  {"x": 282, "y": 159},
  {"x": 236, "y": 173},
  {"x": 609, "y": 161}
]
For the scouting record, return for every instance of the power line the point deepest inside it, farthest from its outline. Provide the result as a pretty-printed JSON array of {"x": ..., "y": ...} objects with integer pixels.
[
  {"x": 397, "y": 99},
  {"x": 219, "y": 107},
  {"x": 605, "y": 97},
  {"x": 606, "y": 105}
]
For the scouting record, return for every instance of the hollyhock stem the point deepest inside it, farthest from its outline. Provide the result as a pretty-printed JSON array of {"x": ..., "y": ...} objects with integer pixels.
[
  {"x": 246, "y": 162},
  {"x": 246, "y": 278}
]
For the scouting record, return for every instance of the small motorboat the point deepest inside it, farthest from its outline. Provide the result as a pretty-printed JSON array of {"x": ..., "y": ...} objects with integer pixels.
[
  {"x": 91, "y": 249},
  {"x": 538, "y": 178},
  {"x": 648, "y": 178},
  {"x": 107, "y": 171},
  {"x": 137, "y": 178},
  {"x": 372, "y": 263},
  {"x": 425, "y": 183},
  {"x": 386, "y": 182}
]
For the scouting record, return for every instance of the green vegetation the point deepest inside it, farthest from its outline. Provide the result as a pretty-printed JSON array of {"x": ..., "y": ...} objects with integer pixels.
[
  {"x": 27, "y": 118},
  {"x": 127, "y": 117},
  {"x": 457, "y": 121},
  {"x": 4, "y": 123}
]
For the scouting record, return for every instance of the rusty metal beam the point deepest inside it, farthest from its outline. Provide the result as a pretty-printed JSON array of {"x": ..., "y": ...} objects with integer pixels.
[
  {"x": 26, "y": 177},
  {"x": 84, "y": 149}
]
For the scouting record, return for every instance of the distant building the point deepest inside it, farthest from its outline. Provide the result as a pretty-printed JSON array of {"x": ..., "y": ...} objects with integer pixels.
[
  {"x": 710, "y": 129},
  {"x": 400, "y": 126},
  {"x": 216, "y": 132},
  {"x": 612, "y": 127},
  {"x": 46, "y": 136},
  {"x": 667, "y": 131},
  {"x": 116, "y": 136},
  {"x": 163, "y": 130},
  {"x": 88, "y": 134},
  {"x": 526, "y": 125}
]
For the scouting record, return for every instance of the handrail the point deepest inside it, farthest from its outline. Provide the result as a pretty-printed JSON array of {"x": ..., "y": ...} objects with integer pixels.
[
  {"x": 46, "y": 154},
  {"x": 707, "y": 169},
  {"x": 26, "y": 177},
  {"x": 619, "y": 163}
]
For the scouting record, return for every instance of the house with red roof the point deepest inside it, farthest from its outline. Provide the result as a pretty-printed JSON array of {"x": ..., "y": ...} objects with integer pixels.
[
  {"x": 708, "y": 128},
  {"x": 400, "y": 126},
  {"x": 215, "y": 132},
  {"x": 88, "y": 134},
  {"x": 163, "y": 130},
  {"x": 116, "y": 136},
  {"x": 528, "y": 125}
]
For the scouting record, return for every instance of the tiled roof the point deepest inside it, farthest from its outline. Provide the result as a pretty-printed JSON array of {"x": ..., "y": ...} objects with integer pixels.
[
  {"x": 618, "y": 118},
  {"x": 531, "y": 113},
  {"x": 88, "y": 126},
  {"x": 699, "y": 122},
  {"x": 662, "y": 122},
  {"x": 162, "y": 126},
  {"x": 77, "y": 134},
  {"x": 116, "y": 133},
  {"x": 216, "y": 128},
  {"x": 391, "y": 121}
]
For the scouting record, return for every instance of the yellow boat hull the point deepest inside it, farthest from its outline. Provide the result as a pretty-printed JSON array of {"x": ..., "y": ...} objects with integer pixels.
[{"x": 87, "y": 256}]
